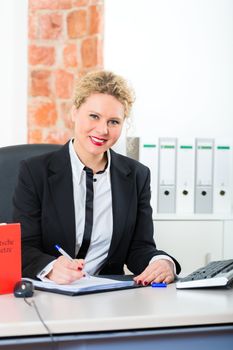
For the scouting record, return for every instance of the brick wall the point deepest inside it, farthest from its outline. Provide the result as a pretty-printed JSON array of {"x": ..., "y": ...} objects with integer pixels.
[{"x": 65, "y": 41}]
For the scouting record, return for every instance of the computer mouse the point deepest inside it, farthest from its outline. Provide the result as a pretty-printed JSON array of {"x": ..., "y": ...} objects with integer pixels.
[{"x": 23, "y": 289}]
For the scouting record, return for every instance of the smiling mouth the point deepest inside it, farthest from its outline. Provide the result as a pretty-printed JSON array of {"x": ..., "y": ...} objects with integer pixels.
[{"x": 96, "y": 141}]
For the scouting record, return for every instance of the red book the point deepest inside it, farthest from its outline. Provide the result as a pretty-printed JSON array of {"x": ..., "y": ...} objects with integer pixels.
[{"x": 10, "y": 257}]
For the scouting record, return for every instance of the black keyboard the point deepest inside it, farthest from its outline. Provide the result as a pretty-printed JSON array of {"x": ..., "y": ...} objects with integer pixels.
[{"x": 215, "y": 274}]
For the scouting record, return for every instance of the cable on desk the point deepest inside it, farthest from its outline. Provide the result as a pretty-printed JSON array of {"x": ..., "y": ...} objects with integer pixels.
[{"x": 33, "y": 304}]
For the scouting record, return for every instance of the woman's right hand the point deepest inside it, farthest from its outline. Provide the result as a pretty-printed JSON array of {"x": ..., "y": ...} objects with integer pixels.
[{"x": 66, "y": 271}]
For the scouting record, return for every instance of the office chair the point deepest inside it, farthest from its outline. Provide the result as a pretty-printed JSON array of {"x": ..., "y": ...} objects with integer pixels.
[{"x": 10, "y": 158}]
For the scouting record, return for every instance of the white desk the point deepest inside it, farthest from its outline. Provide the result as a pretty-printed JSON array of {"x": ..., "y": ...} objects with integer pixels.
[{"x": 170, "y": 318}]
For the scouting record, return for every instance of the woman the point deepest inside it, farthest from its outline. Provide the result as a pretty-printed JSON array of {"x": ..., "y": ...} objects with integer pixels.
[{"x": 49, "y": 199}]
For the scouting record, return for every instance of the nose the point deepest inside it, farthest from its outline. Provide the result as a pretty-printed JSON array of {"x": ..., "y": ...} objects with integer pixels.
[{"x": 102, "y": 128}]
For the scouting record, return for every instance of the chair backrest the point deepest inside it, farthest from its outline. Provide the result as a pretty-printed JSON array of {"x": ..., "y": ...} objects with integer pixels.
[{"x": 10, "y": 158}]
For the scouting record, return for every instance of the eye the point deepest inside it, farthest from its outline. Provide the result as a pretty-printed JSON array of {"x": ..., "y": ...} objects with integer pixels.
[
  {"x": 93, "y": 116},
  {"x": 114, "y": 122}
]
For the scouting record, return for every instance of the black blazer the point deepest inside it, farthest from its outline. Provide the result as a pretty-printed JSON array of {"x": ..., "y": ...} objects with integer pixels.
[{"x": 44, "y": 205}]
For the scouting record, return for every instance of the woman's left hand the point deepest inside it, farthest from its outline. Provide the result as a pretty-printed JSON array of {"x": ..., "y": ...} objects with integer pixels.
[{"x": 158, "y": 271}]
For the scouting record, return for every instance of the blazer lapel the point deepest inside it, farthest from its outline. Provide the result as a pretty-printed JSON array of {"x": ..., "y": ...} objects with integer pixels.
[
  {"x": 122, "y": 187},
  {"x": 61, "y": 190}
]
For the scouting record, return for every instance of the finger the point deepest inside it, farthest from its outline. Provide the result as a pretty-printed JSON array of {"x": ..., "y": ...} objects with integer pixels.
[
  {"x": 65, "y": 271},
  {"x": 158, "y": 271},
  {"x": 145, "y": 276},
  {"x": 169, "y": 279},
  {"x": 139, "y": 279},
  {"x": 155, "y": 275},
  {"x": 71, "y": 264},
  {"x": 73, "y": 275},
  {"x": 80, "y": 263},
  {"x": 65, "y": 276},
  {"x": 164, "y": 277},
  {"x": 160, "y": 278},
  {"x": 64, "y": 261}
]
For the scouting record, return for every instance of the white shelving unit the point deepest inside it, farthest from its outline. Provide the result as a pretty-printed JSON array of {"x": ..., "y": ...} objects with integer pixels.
[{"x": 195, "y": 240}]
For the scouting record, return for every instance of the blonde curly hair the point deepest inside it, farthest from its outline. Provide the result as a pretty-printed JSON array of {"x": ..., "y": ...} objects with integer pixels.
[{"x": 104, "y": 82}]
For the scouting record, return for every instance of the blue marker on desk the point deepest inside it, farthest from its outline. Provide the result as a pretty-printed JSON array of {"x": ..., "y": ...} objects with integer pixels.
[{"x": 158, "y": 285}]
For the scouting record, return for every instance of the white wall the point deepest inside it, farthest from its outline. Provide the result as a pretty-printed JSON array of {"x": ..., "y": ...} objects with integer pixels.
[
  {"x": 178, "y": 55},
  {"x": 13, "y": 72}
]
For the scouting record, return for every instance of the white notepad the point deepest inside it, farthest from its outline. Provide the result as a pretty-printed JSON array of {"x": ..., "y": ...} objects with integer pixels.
[{"x": 85, "y": 285}]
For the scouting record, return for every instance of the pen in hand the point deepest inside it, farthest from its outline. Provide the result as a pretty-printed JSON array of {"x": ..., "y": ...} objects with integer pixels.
[{"x": 63, "y": 252}]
